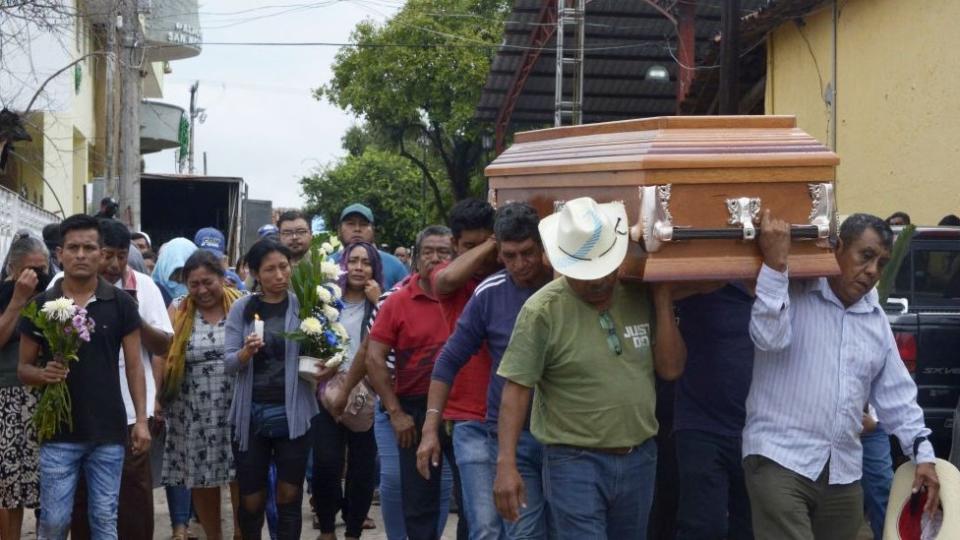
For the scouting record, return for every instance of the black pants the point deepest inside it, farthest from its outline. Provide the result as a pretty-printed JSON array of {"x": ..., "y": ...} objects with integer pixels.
[
  {"x": 331, "y": 444},
  {"x": 421, "y": 497},
  {"x": 713, "y": 497},
  {"x": 253, "y": 466}
]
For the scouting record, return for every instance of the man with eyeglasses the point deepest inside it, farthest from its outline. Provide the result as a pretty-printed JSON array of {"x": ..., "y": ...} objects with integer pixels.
[
  {"x": 590, "y": 345},
  {"x": 295, "y": 233}
]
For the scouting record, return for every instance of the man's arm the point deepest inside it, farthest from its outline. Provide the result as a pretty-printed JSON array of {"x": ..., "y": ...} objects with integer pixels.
[
  {"x": 456, "y": 274},
  {"x": 669, "y": 350},
  {"x": 509, "y": 493},
  {"x": 136, "y": 382},
  {"x": 894, "y": 395},
  {"x": 27, "y": 370},
  {"x": 770, "y": 315},
  {"x": 379, "y": 376},
  {"x": 155, "y": 340}
]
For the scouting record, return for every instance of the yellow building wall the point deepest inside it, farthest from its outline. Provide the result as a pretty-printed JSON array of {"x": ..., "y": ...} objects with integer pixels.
[{"x": 898, "y": 102}]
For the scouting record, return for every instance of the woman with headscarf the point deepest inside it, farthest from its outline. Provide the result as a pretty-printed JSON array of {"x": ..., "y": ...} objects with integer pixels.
[
  {"x": 197, "y": 391},
  {"x": 170, "y": 261},
  {"x": 360, "y": 282},
  {"x": 27, "y": 273}
]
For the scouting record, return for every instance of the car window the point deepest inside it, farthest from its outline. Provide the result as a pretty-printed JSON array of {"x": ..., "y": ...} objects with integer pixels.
[{"x": 935, "y": 275}]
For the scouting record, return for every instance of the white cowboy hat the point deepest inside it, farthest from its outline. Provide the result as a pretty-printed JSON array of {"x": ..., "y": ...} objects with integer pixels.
[
  {"x": 903, "y": 524},
  {"x": 586, "y": 240}
]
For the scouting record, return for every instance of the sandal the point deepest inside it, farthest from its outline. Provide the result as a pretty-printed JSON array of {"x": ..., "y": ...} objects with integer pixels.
[{"x": 369, "y": 523}]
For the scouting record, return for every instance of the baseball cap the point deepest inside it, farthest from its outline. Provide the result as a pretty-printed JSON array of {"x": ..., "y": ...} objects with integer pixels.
[
  {"x": 211, "y": 240},
  {"x": 357, "y": 208},
  {"x": 267, "y": 230}
]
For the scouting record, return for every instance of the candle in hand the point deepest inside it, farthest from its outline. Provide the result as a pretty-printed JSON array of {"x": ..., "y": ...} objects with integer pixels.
[{"x": 257, "y": 326}]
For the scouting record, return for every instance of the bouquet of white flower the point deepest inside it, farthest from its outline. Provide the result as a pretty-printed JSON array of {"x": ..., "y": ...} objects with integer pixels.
[
  {"x": 321, "y": 336},
  {"x": 65, "y": 327}
]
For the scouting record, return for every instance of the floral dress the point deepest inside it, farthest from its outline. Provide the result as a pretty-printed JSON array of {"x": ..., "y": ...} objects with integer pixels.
[{"x": 197, "y": 452}]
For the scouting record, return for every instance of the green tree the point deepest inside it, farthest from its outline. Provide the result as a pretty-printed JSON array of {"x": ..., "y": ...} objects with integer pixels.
[
  {"x": 417, "y": 79},
  {"x": 389, "y": 184}
]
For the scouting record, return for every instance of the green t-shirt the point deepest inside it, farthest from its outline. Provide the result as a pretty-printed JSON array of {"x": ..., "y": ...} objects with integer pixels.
[{"x": 586, "y": 395}]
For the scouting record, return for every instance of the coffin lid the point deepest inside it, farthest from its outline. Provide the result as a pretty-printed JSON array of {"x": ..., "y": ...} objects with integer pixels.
[{"x": 666, "y": 142}]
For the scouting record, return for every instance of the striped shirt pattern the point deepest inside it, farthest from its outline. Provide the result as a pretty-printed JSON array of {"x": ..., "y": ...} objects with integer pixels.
[{"x": 817, "y": 365}]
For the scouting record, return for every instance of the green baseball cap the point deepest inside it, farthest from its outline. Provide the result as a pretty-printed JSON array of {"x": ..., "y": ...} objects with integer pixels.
[{"x": 357, "y": 208}]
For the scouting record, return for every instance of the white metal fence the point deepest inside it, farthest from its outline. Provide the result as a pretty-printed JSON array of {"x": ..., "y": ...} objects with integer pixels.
[{"x": 15, "y": 214}]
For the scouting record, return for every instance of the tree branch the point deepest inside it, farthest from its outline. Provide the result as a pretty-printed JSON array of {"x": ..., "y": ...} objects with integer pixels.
[
  {"x": 437, "y": 196},
  {"x": 57, "y": 73}
]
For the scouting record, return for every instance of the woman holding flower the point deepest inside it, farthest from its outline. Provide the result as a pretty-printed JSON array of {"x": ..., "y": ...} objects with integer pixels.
[
  {"x": 26, "y": 271},
  {"x": 196, "y": 390},
  {"x": 360, "y": 282},
  {"x": 272, "y": 406}
]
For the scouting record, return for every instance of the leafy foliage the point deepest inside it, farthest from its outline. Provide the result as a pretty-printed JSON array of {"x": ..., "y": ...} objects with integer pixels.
[
  {"x": 387, "y": 183},
  {"x": 424, "y": 92},
  {"x": 901, "y": 246}
]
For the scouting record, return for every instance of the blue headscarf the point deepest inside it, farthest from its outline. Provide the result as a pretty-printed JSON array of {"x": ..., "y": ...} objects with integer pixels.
[{"x": 173, "y": 255}]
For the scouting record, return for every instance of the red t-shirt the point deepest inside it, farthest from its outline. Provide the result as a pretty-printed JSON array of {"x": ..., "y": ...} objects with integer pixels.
[
  {"x": 411, "y": 323},
  {"x": 468, "y": 396}
]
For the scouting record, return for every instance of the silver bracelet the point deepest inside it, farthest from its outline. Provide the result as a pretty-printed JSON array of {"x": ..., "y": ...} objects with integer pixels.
[{"x": 434, "y": 411}]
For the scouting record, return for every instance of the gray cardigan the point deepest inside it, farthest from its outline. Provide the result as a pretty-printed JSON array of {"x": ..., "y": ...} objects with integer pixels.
[{"x": 300, "y": 402}]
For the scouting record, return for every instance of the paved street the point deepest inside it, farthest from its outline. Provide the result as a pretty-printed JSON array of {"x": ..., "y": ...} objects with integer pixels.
[{"x": 162, "y": 523}]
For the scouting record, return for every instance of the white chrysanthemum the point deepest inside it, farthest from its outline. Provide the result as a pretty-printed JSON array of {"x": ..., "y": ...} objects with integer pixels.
[
  {"x": 331, "y": 313},
  {"x": 331, "y": 271},
  {"x": 324, "y": 295},
  {"x": 61, "y": 309},
  {"x": 334, "y": 242},
  {"x": 340, "y": 330},
  {"x": 334, "y": 361},
  {"x": 327, "y": 247},
  {"x": 337, "y": 293},
  {"x": 311, "y": 326}
]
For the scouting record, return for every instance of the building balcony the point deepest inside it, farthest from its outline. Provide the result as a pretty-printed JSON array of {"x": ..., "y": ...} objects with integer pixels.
[
  {"x": 172, "y": 30},
  {"x": 159, "y": 126}
]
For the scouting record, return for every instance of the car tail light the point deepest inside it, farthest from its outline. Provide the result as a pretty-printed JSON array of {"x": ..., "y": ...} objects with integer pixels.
[{"x": 907, "y": 345}]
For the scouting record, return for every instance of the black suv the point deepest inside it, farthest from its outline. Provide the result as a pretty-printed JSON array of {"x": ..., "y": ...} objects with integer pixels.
[{"x": 924, "y": 312}]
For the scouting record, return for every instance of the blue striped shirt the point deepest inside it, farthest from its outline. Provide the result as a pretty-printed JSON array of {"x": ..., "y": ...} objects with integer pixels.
[{"x": 817, "y": 365}]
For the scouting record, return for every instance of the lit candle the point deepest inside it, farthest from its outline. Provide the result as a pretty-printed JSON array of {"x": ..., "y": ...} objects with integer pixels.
[{"x": 257, "y": 326}]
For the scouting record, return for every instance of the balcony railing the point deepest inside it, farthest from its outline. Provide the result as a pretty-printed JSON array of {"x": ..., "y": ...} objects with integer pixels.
[{"x": 16, "y": 214}]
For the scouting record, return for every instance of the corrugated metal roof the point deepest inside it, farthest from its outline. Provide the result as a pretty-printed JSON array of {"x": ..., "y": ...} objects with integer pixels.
[{"x": 623, "y": 39}]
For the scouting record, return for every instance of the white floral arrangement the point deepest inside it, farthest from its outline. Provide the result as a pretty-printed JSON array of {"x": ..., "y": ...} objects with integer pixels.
[{"x": 321, "y": 335}]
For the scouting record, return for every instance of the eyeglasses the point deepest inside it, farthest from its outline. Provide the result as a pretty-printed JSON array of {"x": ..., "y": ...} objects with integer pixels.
[
  {"x": 291, "y": 234},
  {"x": 613, "y": 340}
]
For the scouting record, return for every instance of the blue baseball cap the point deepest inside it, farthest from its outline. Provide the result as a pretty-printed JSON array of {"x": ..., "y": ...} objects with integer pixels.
[
  {"x": 267, "y": 230},
  {"x": 357, "y": 208},
  {"x": 211, "y": 240}
]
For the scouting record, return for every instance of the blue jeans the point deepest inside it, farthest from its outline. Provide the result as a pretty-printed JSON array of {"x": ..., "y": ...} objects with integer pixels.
[
  {"x": 533, "y": 523},
  {"x": 178, "y": 503},
  {"x": 391, "y": 497},
  {"x": 594, "y": 495},
  {"x": 877, "y": 477},
  {"x": 477, "y": 470},
  {"x": 713, "y": 496},
  {"x": 60, "y": 466}
]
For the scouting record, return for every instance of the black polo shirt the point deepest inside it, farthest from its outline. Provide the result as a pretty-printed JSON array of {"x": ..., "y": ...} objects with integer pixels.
[{"x": 94, "y": 380}]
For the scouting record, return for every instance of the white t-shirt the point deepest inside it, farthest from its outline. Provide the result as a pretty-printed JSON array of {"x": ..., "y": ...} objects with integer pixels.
[{"x": 153, "y": 311}]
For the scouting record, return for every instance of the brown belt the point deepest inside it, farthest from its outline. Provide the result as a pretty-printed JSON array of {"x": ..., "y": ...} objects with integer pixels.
[{"x": 616, "y": 451}]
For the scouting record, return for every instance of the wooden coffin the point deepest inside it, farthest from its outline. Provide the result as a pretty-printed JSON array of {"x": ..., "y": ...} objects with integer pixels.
[{"x": 693, "y": 187}]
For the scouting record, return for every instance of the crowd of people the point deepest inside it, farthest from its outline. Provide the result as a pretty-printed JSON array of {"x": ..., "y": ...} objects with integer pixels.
[{"x": 507, "y": 367}]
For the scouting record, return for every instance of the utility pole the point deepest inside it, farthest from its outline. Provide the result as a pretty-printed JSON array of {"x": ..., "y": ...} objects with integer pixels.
[
  {"x": 730, "y": 58},
  {"x": 131, "y": 58},
  {"x": 110, "y": 186},
  {"x": 193, "y": 123}
]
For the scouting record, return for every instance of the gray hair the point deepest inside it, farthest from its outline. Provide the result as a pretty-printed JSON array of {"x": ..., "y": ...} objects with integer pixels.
[
  {"x": 430, "y": 230},
  {"x": 23, "y": 244},
  {"x": 854, "y": 226}
]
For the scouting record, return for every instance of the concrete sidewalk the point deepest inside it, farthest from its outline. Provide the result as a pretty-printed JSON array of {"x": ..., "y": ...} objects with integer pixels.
[{"x": 161, "y": 520}]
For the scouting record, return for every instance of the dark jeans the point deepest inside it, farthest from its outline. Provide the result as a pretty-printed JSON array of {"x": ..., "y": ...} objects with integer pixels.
[
  {"x": 290, "y": 456},
  {"x": 788, "y": 506},
  {"x": 713, "y": 497},
  {"x": 421, "y": 497},
  {"x": 135, "y": 510},
  {"x": 331, "y": 444}
]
